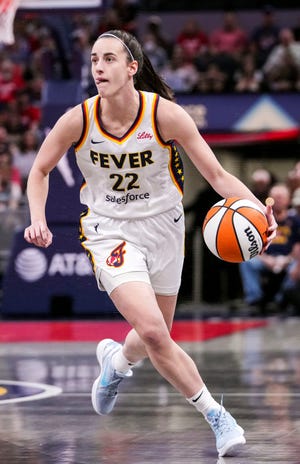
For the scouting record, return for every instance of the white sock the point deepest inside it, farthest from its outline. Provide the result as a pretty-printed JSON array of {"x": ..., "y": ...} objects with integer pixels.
[
  {"x": 204, "y": 402},
  {"x": 120, "y": 363}
]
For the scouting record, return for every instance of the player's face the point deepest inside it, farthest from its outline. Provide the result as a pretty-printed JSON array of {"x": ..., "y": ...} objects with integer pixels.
[{"x": 110, "y": 67}]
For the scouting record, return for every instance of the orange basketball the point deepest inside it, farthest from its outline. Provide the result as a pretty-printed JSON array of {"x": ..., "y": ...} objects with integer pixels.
[{"x": 235, "y": 229}]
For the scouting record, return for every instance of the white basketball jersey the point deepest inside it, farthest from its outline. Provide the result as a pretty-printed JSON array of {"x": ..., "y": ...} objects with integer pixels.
[{"x": 133, "y": 176}]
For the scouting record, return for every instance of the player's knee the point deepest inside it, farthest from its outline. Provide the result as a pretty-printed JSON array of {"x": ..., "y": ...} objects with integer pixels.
[{"x": 154, "y": 337}]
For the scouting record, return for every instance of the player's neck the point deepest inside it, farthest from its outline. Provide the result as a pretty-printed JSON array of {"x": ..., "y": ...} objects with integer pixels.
[
  {"x": 119, "y": 112},
  {"x": 121, "y": 103}
]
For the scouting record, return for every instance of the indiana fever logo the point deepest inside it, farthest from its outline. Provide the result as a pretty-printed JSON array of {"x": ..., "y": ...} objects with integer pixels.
[{"x": 116, "y": 258}]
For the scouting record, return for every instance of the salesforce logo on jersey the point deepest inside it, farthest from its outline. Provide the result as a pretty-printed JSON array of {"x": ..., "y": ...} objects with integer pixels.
[{"x": 31, "y": 265}]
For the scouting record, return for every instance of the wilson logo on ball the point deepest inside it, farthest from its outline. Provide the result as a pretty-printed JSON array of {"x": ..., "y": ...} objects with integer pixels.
[
  {"x": 253, "y": 249},
  {"x": 235, "y": 229}
]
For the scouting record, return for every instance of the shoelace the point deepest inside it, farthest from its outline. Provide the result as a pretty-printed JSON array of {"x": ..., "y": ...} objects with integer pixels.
[
  {"x": 108, "y": 374},
  {"x": 220, "y": 423},
  {"x": 111, "y": 389}
]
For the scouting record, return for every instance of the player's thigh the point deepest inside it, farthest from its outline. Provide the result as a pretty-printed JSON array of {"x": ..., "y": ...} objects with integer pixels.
[
  {"x": 137, "y": 303},
  {"x": 167, "y": 305}
]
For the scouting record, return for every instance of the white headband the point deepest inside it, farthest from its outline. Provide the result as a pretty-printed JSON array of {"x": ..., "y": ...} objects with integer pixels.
[{"x": 107, "y": 34}]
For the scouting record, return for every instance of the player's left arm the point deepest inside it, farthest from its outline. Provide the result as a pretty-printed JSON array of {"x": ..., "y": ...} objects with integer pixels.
[{"x": 175, "y": 123}]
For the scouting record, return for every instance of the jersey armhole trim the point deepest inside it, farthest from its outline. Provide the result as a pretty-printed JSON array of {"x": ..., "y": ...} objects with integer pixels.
[
  {"x": 85, "y": 126},
  {"x": 158, "y": 136}
]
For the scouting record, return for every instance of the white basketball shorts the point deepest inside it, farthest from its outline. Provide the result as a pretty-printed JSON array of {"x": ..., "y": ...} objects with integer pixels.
[{"x": 148, "y": 250}]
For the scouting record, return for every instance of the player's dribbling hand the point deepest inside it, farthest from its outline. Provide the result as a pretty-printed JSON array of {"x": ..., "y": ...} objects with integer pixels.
[
  {"x": 271, "y": 221},
  {"x": 38, "y": 234}
]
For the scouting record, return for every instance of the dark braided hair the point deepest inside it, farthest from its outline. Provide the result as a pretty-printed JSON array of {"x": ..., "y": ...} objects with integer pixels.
[{"x": 146, "y": 77}]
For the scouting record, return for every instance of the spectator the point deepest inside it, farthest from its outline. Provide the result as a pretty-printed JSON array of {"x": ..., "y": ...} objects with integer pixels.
[
  {"x": 292, "y": 290},
  {"x": 154, "y": 26},
  {"x": 230, "y": 38},
  {"x": 46, "y": 59},
  {"x": 19, "y": 51},
  {"x": 109, "y": 21},
  {"x": 277, "y": 262},
  {"x": 12, "y": 121},
  {"x": 11, "y": 80},
  {"x": 127, "y": 12},
  {"x": 80, "y": 61},
  {"x": 10, "y": 183},
  {"x": 156, "y": 54},
  {"x": 261, "y": 181},
  {"x": 265, "y": 36},
  {"x": 34, "y": 87},
  {"x": 282, "y": 66},
  {"x": 293, "y": 177},
  {"x": 33, "y": 27},
  {"x": 192, "y": 39},
  {"x": 295, "y": 203},
  {"x": 212, "y": 80},
  {"x": 248, "y": 78},
  {"x": 226, "y": 46},
  {"x": 24, "y": 154},
  {"x": 180, "y": 74},
  {"x": 10, "y": 199},
  {"x": 4, "y": 139},
  {"x": 29, "y": 111},
  {"x": 21, "y": 113}
]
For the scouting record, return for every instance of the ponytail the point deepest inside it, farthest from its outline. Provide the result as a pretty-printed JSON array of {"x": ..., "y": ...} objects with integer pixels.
[{"x": 146, "y": 77}]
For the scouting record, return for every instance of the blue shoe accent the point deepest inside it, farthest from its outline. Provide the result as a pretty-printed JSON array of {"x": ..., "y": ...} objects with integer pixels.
[
  {"x": 229, "y": 435},
  {"x": 105, "y": 387}
]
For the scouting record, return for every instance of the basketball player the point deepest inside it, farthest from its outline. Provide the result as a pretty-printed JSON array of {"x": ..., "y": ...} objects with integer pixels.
[{"x": 133, "y": 228}]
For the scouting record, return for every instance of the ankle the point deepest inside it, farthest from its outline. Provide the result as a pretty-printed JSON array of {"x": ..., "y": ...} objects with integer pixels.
[
  {"x": 120, "y": 363},
  {"x": 204, "y": 402}
]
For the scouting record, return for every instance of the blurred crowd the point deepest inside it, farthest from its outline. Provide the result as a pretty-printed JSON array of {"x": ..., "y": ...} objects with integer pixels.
[
  {"x": 227, "y": 59},
  {"x": 57, "y": 47}
]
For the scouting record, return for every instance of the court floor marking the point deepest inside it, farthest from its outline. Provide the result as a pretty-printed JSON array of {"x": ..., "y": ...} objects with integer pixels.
[
  {"x": 46, "y": 391},
  {"x": 174, "y": 394}
]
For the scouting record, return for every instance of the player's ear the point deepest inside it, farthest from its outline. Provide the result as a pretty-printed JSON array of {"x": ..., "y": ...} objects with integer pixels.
[{"x": 133, "y": 67}]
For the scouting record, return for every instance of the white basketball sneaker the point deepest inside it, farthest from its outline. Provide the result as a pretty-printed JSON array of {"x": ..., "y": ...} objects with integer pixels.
[
  {"x": 105, "y": 387},
  {"x": 229, "y": 435}
]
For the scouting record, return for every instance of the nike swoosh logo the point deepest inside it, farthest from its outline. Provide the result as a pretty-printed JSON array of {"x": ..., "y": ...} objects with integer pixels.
[
  {"x": 97, "y": 141},
  {"x": 195, "y": 401},
  {"x": 177, "y": 219}
]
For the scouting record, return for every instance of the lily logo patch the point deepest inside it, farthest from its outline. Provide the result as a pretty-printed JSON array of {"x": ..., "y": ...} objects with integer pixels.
[
  {"x": 15, "y": 392},
  {"x": 116, "y": 258}
]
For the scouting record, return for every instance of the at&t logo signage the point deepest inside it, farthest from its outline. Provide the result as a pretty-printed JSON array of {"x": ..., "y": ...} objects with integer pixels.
[{"x": 31, "y": 264}]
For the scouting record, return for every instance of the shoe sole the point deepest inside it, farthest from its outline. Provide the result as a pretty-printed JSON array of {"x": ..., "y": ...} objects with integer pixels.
[
  {"x": 100, "y": 347},
  {"x": 232, "y": 446}
]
